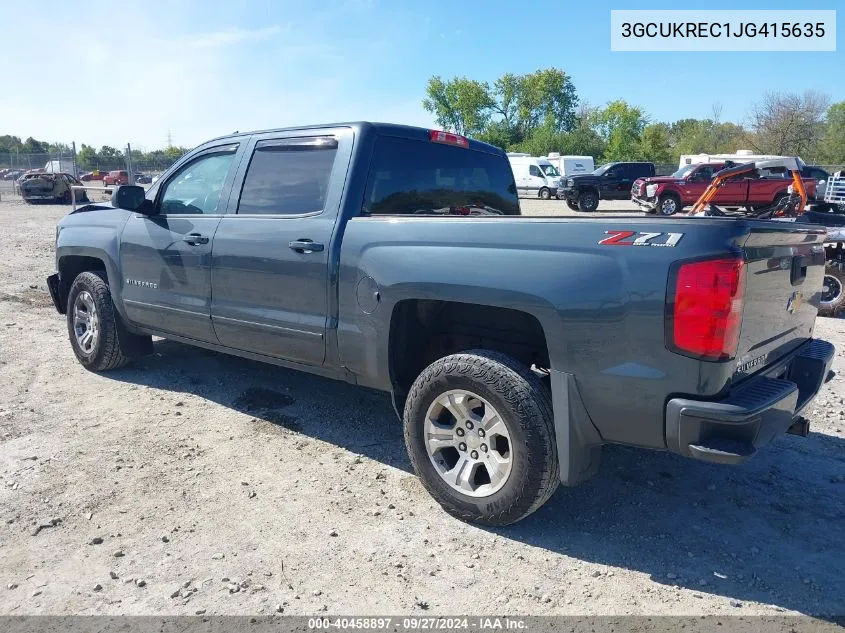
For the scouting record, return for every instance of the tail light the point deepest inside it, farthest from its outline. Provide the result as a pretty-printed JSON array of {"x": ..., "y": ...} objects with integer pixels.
[
  {"x": 448, "y": 138},
  {"x": 705, "y": 308}
]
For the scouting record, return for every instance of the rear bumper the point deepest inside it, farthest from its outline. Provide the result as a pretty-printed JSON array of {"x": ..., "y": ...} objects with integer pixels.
[{"x": 731, "y": 430}]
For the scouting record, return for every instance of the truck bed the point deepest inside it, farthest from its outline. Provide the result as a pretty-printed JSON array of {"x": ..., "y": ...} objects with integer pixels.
[{"x": 602, "y": 306}]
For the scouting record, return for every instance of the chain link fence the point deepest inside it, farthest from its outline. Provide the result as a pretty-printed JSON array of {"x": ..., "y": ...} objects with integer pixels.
[{"x": 90, "y": 167}]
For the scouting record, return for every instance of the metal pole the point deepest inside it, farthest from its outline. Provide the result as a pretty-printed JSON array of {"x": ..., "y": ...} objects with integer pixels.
[
  {"x": 75, "y": 168},
  {"x": 129, "y": 176}
]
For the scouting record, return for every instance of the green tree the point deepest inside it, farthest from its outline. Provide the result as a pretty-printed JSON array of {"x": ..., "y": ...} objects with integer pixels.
[
  {"x": 508, "y": 113},
  {"x": 654, "y": 144},
  {"x": 10, "y": 143},
  {"x": 832, "y": 144},
  {"x": 789, "y": 124},
  {"x": 31, "y": 146},
  {"x": 621, "y": 126},
  {"x": 459, "y": 105},
  {"x": 86, "y": 157}
]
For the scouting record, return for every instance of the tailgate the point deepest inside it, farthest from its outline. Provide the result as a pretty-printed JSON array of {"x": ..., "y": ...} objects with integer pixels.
[{"x": 783, "y": 287}]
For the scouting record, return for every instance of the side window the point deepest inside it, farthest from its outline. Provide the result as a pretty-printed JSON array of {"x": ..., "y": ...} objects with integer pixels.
[
  {"x": 533, "y": 170},
  {"x": 196, "y": 187},
  {"x": 288, "y": 176},
  {"x": 704, "y": 173}
]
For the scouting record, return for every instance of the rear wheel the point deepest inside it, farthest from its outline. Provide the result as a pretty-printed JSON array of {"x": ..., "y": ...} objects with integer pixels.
[
  {"x": 479, "y": 432},
  {"x": 545, "y": 194},
  {"x": 588, "y": 201},
  {"x": 833, "y": 290}
]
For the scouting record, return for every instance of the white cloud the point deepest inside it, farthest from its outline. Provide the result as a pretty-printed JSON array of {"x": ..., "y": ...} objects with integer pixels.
[{"x": 231, "y": 36}]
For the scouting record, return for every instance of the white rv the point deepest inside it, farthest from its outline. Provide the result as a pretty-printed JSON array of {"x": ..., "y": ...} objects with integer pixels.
[
  {"x": 741, "y": 156},
  {"x": 569, "y": 165},
  {"x": 534, "y": 177}
]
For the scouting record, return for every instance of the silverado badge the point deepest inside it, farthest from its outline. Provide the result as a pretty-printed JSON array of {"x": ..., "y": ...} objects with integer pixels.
[{"x": 795, "y": 300}]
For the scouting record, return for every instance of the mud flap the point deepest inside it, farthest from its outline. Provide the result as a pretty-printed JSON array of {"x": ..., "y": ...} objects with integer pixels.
[
  {"x": 133, "y": 345},
  {"x": 578, "y": 441}
]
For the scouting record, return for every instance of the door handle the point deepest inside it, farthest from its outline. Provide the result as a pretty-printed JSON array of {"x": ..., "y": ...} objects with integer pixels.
[
  {"x": 195, "y": 238},
  {"x": 306, "y": 246}
]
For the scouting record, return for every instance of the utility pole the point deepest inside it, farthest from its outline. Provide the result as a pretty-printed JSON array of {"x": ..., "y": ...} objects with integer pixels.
[
  {"x": 130, "y": 175},
  {"x": 75, "y": 168}
]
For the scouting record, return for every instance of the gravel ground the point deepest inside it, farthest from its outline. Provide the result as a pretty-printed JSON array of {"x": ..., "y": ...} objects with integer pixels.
[{"x": 196, "y": 482}]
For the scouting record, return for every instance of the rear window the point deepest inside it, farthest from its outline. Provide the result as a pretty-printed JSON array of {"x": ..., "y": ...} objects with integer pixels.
[
  {"x": 288, "y": 176},
  {"x": 410, "y": 177}
]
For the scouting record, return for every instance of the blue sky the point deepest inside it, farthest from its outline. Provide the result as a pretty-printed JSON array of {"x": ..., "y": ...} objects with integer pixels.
[{"x": 132, "y": 71}]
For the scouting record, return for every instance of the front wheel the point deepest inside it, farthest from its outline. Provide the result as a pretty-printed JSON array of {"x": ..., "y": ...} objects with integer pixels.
[
  {"x": 545, "y": 194},
  {"x": 668, "y": 205},
  {"x": 480, "y": 436},
  {"x": 92, "y": 324},
  {"x": 588, "y": 201}
]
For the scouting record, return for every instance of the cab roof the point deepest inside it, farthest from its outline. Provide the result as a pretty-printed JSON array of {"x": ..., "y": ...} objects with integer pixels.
[{"x": 387, "y": 129}]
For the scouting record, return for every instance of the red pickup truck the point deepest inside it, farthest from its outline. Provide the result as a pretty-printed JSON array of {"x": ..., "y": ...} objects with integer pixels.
[{"x": 667, "y": 195}]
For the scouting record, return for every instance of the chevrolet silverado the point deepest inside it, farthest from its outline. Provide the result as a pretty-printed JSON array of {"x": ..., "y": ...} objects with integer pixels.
[{"x": 513, "y": 347}]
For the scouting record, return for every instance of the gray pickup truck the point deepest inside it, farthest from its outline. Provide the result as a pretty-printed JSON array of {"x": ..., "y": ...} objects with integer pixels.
[{"x": 513, "y": 347}]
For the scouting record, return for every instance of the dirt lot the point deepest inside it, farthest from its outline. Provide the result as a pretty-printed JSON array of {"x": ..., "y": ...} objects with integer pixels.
[{"x": 195, "y": 482}]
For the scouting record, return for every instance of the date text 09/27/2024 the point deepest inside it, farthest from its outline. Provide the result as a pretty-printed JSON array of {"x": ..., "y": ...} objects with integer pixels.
[{"x": 418, "y": 623}]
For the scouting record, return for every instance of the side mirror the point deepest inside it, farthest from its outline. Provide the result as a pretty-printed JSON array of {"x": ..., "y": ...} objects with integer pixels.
[{"x": 129, "y": 197}]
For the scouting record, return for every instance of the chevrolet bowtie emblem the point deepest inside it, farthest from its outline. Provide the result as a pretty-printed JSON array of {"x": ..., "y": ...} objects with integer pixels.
[{"x": 795, "y": 300}]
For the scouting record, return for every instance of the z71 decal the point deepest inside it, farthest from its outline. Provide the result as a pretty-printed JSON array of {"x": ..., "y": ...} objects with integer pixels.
[{"x": 633, "y": 238}]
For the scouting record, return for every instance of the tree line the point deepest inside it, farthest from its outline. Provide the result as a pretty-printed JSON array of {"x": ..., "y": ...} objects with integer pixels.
[
  {"x": 541, "y": 112},
  {"x": 88, "y": 158}
]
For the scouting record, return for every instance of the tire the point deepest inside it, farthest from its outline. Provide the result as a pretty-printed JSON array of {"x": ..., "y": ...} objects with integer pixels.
[
  {"x": 89, "y": 294},
  {"x": 833, "y": 291},
  {"x": 588, "y": 201},
  {"x": 523, "y": 404},
  {"x": 545, "y": 194},
  {"x": 572, "y": 205},
  {"x": 668, "y": 204}
]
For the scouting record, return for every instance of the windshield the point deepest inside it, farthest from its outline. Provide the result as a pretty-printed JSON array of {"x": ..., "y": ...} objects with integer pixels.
[
  {"x": 550, "y": 170},
  {"x": 600, "y": 170},
  {"x": 683, "y": 171}
]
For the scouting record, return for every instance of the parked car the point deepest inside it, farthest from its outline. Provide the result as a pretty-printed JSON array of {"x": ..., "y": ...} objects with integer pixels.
[
  {"x": 13, "y": 175},
  {"x": 535, "y": 177},
  {"x": 609, "y": 182},
  {"x": 143, "y": 179},
  {"x": 47, "y": 186},
  {"x": 513, "y": 348},
  {"x": 118, "y": 177},
  {"x": 92, "y": 175},
  {"x": 668, "y": 195}
]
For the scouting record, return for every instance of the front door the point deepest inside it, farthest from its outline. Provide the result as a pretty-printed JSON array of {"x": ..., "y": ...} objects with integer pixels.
[
  {"x": 270, "y": 261},
  {"x": 165, "y": 257}
]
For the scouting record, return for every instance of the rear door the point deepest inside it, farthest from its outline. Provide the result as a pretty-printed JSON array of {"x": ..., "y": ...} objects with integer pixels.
[
  {"x": 270, "y": 275},
  {"x": 166, "y": 258}
]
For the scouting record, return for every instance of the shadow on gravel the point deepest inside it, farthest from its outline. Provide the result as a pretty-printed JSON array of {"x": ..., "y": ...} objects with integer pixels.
[
  {"x": 357, "y": 419},
  {"x": 771, "y": 531}
]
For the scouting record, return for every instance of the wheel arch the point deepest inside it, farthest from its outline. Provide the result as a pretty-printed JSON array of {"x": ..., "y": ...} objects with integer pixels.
[{"x": 424, "y": 330}]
